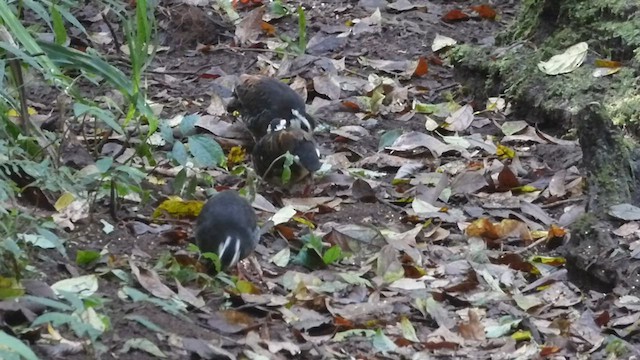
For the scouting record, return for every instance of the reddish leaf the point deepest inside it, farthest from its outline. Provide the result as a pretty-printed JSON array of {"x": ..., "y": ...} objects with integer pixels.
[
  {"x": 268, "y": 28},
  {"x": 603, "y": 319},
  {"x": 413, "y": 272},
  {"x": 341, "y": 322},
  {"x": 507, "y": 180},
  {"x": 514, "y": 261},
  {"x": 422, "y": 69},
  {"x": 351, "y": 105},
  {"x": 402, "y": 342},
  {"x": 450, "y": 298},
  {"x": 485, "y": 11},
  {"x": 467, "y": 285},
  {"x": 455, "y": 15},
  {"x": 286, "y": 231},
  {"x": 549, "y": 350},
  {"x": 324, "y": 209},
  {"x": 240, "y": 4},
  {"x": 209, "y": 76},
  {"x": 440, "y": 345}
]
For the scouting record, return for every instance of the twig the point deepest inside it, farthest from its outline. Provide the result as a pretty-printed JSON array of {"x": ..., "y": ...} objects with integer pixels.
[
  {"x": 148, "y": 220},
  {"x": 116, "y": 43},
  {"x": 531, "y": 246},
  {"x": 113, "y": 207},
  {"x": 181, "y": 72},
  {"x": 562, "y": 202},
  {"x": 355, "y": 73},
  {"x": 273, "y": 163},
  {"x": 443, "y": 88},
  {"x": 393, "y": 206}
]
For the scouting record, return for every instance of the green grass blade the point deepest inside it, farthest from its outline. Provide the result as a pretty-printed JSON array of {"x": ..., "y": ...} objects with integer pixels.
[
  {"x": 30, "y": 45},
  {"x": 14, "y": 344},
  {"x": 302, "y": 30},
  {"x": 58, "y": 26},
  {"x": 40, "y": 10}
]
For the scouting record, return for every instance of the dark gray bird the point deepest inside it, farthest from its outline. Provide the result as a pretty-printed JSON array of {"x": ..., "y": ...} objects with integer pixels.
[
  {"x": 268, "y": 153},
  {"x": 261, "y": 99},
  {"x": 227, "y": 226}
]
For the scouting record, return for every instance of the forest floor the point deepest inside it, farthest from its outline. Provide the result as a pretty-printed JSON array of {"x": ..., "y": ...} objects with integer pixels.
[{"x": 447, "y": 230}]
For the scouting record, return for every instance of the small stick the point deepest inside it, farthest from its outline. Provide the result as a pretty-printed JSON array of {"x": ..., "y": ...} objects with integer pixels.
[{"x": 113, "y": 33}]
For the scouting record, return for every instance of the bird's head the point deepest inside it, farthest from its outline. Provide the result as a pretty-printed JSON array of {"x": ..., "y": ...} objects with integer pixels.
[{"x": 278, "y": 125}]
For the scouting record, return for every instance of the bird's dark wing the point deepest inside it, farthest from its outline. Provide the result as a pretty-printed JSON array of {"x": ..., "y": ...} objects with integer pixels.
[
  {"x": 273, "y": 145},
  {"x": 258, "y": 94}
]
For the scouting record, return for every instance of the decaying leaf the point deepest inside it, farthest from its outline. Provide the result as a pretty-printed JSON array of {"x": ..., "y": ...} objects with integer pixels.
[
  {"x": 566, "y": 62},
  {"x": 441, "y": 42},
  {"x": 250, "y": 27}
]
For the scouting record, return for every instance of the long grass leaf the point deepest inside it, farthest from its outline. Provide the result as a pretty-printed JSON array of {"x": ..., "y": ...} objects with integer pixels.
[
  {"x": 40, "y": 10},
  {"x": 90, "y": 62},
  {"x": 30, "y": 45},
  {"x": 14, "y": 344},
  {"x": 58, "y": 26},
  {"x": 72, "y": 19},
  {"x": 302, "y": 30}
]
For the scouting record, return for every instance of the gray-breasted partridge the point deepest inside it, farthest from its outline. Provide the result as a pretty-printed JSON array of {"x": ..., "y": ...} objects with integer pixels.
[
  {"x": 268, "y": 153},
  {"x": 261, "y": 99},
  {"x": 227, "y": 226}
]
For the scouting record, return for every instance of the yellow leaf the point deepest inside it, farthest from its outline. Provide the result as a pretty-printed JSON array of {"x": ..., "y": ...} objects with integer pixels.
[
  {"x": 10, "y": 288},
  {"x": 155, "y": 180},
  {"x": 63, "y": 201},
  {"x": 525, "y": 189},
  {"x": 505, "y": 152},
  {"x": 521, "y": 335},
  {"x": 15, "y": 113},
  {"x": 236, "y": 155},
  {"x": 304, "y": 221},
  {"x": 549, "y": 260},
  {"x": 245, "y": 287},
  {"x": 177, "y": 208},
  {"x": 538, "y": 234}
]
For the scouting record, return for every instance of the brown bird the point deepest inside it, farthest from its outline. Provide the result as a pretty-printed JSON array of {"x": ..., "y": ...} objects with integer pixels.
[
  {"x": 269, "y": 153},
  {"x": 261, "y": 99}
]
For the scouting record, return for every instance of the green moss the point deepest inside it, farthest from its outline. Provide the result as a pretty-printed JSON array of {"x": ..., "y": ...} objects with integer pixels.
[
  {"x": 516, "y": 69},
  {"x": 525, "y": 24},
  {"x": 560, "y": 40},
  {"x": 603, "y": 23},
  {"x": 585, "y": 224},
  {"x": 625, "y": 110}
]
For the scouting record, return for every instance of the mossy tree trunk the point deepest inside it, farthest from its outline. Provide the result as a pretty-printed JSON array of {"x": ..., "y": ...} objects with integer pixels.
[{"x": 604, "y": 111}]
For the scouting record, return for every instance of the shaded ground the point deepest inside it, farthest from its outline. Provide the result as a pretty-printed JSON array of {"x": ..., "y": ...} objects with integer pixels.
[{"x": 303, "y": 328}]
